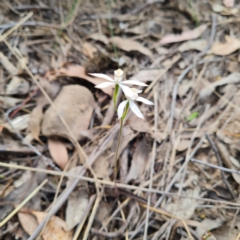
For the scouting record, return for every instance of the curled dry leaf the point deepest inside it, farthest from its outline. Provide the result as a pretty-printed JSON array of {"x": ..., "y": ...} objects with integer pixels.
[
  {"x": 130, "y": 45},
  {"x": 99, "y": 37},
  {"x": 233, "y": 78},
  {"x": 34, "y": 126},
  {"x": 75, "y": 104},
  {"x": 139, "y": 161},
  {"x": 58, "y": 152},
  {"x": 79, "y": 72},
  {"x": 55, "y": 229},
  {"x": 77, "y": 201},
  {"x": 198, "y": 45},
  {"x": 18, "y": 85},
  {"x": 88, "y": 49},
  {"x": 231, "y": 45},
  {"x": 229, "y": 3},
  {"x": 187, "y": 35}
]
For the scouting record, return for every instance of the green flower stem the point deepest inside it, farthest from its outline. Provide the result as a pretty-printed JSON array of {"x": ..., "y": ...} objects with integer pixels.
[
  {"x": 119, "y": 140},
  {"x": 115, "y": 94}
]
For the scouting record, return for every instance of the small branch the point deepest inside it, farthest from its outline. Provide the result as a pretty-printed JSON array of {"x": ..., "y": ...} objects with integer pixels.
[{"x": 220, "y": 164}]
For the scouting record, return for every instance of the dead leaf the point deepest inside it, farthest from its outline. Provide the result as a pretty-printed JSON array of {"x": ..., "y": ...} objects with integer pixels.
[
  {"x": 229, "y": 3},
  {"x": 88, "y": 49},
  {"x": 99, "y": 37},
  {"x": 79, "y": 72},
  {"x": 55, "y": 229},
  {"x": 58, "y": 152},
  {"x": 35, "y": 122},
  {"x": 76, "y": 105},
  {"x": 28, "y": 222},
  {"x": 198, "y": 45},
  {"x": 224, "y": 10},
  {"x": 19, "y": 123},
  {"x": 101, "y": 166},
  {"x": 139, "y": 161},
  {"x": 130, "y": 45},
  {"x": 77, "y": 202},
  {"x": 184, "y": 208},
  {"x": 233, "y": 78},
  {"x": 17, "y": 85},
  {"x": 209, "y": 224},
  {"x": 9, "y": 101},
  {"x": 231, "y": 45},
  {"x": 8, "y": 65},
  {"x": 187, "y": 35}
]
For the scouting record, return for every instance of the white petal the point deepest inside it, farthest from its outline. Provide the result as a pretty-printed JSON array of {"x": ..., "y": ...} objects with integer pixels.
[
  {"x": 100, "y": 75},
  {"x": 104, "y": 85},
  {"x": 144, "y": 100},
  {"x": 127, "y": 90},
  {"x": 135, "y": 109},
  {"x": 134, "y": 82},
  {"x": 121, "y": 107}
]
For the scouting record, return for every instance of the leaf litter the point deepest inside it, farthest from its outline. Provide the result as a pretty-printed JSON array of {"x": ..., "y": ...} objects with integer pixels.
[{"x": 187, "y": 52}]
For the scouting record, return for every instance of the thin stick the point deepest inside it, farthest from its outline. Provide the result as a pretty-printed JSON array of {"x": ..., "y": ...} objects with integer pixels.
[
  {"x": 116, "y": 153},
  {"x": 16, "y": 26},
  {"x": 220, "y": 164},
  {"x": 90, "y": 221},
  {"x": 120, "y": 185},
  {"x": 152, "y": 161},
  {"x": 34, "y": 192}
]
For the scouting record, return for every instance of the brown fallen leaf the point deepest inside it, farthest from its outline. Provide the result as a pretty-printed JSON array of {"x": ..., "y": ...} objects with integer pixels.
[
  {"x": 88, "y": 49},
  {"x": 198, "y": 45},
  {"x": 139, "y": 161},
  {"x": 130, "y": 45},
  {"x": 231, "y": 45},
  {"x": 99, "y": 37},
  {"x": 58, "y": 152},
  {"x": 34, "y": 125},
  {"x": 28, "y": 222},
  {"x": 187, "y": 35},
  {"x": 55, "y": 229},
  {"x": 78, "y": 71},
  {"x": 229, "y": 3},
  {"x": 76, "y": 105}
]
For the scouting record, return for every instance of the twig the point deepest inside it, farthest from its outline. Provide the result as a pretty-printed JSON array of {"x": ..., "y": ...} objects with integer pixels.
[
  {"x": 215, "y": 166},
  {"x": 152, "y": 160},
  {"x": 220, "y": 164},
  {"x": 92, "y": 216},
  {"x": 119, "y": 185},
  {"x": 34, "y": 192},
  {"x": 120, "y": 231}
]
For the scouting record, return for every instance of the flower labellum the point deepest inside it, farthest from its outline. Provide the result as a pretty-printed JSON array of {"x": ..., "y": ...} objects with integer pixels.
[{"x": 130, "y": 101}]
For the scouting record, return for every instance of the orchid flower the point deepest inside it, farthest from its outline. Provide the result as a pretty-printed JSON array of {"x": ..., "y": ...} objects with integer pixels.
[
  {"x": 118, "y": 77},
  {"x": 123, "y": 106}
]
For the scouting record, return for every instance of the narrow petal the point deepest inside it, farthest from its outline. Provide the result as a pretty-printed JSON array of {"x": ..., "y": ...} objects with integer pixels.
[
  {"x": 144, "y": 100},
  {"x": 100, "y": 75},
  {"x": 134, "y": 82},
  {"x": 127, "y": 90},
  {"x": 104, "y": 85},
  {"x": 135, "y": 109},
  {"x": 121, "y": 107}
]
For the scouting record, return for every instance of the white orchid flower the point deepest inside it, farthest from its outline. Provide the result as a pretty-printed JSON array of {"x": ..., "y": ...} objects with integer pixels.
[
  {"x": 118, "y": 77},
  {"x": 130, "y": 101}
]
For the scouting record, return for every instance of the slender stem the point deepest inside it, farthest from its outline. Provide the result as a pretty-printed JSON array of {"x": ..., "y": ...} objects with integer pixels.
[{"x": 118, "y": 145}]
